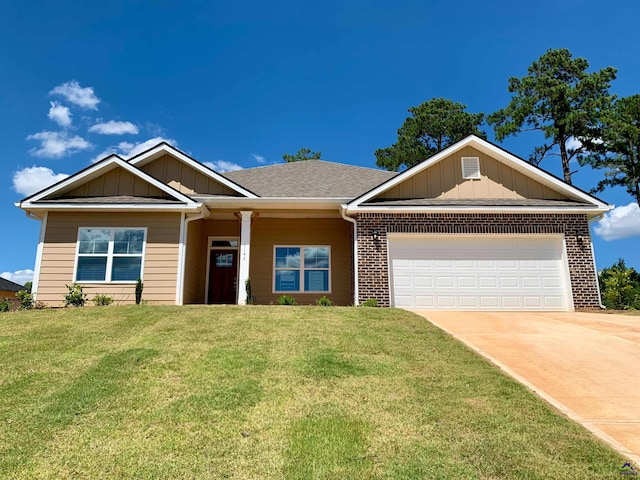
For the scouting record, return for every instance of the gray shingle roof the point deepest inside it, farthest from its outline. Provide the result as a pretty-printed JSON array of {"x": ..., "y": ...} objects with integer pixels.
[
  {"x": 475, "y": 202},
  {"x": 9, "y": 286},
  {"x": 310, "y": 179}
]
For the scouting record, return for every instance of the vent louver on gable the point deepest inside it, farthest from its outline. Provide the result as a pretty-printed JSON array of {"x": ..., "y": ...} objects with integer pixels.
[{"x": 470, "y": 168}]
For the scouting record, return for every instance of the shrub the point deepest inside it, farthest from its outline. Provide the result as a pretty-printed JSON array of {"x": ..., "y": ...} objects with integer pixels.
[
  {"x": 5, "y": 305},
  {"x": 139, "y": 287},
  {"x": 324, "y": 302},
  {"x": 26, "y": 298},
  {"x": 76, "y": 297},
  {"x": 286, "y": 300},
  {"x": 370, "y": 302},
  {"x": 100, "y": 299},
  {"x": 247, "y": 287}
]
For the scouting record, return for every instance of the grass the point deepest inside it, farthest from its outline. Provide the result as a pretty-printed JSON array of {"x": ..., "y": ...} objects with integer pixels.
[{"x": 152, "y": 392}]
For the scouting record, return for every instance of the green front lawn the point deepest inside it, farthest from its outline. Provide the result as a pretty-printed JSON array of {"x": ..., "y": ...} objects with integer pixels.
[{"x": 152, "y": 392}]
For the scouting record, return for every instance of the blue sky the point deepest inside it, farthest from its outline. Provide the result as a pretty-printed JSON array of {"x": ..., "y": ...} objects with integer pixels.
[{"x": 237, "y": 84}]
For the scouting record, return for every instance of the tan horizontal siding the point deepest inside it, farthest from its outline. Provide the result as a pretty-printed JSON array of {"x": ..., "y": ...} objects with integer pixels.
[
  {"x": 267, "y": 232},
  {"x": 197, "y": 251},
  {"x": 160, "y": 260}
]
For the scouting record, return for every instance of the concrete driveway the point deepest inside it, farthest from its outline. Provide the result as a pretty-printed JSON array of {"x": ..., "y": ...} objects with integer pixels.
[{"x": 585, "y": 364}]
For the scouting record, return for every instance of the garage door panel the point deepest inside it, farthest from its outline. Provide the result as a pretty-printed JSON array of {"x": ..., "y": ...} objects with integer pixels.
[{"x": 490, "y": 272}]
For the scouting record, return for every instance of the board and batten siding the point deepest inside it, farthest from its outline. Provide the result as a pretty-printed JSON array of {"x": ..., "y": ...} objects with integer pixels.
[
  {"x": 184, "y": 178},
  {"x": 117, "y": 182},
  {"x": 269, "y": 232},
  {"x": 160, "y": 260},
  {"x": 443, "y": 180}
]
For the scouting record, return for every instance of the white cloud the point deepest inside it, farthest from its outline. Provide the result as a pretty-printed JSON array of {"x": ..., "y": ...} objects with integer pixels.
[
  {"x": 114, "y": 128},
  {"x": 128, "y": 149},
  {"x": 621, "y": 222},
  {"x": 132, "y": 149},
  {"x": 573, "y": 143},
  {"x": 221, "y": 166},
  {"x": 33, "y": 179},
  {"x": 57, "y": 144},
  {"x": 19, "y": 276},
  {"x": 258, "y": 158},
  {"x": 60, "y": 114},
  {"x": 72, "y": 92}
]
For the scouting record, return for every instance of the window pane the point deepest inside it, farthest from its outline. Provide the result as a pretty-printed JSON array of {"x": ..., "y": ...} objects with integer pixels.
[
  {"x": 126, "y": 268},
  {"x": 316, "y": 280},
  {"x": 93, "y": 240},
  {"x": 316, "y": 257},
  {"x": 287, "y": 280},
  {"x": 91, "y": 269},
  {"x": 224, "y": 260},
  {"x": 224, "y": 243},
  {"x": 287, "y": 257},
  {"x": 128, "y": 241}
]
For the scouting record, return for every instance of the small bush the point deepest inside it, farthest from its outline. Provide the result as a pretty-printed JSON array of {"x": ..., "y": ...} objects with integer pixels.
[
  {"x": 324, "y": 302},
  {"x": 100, "y": 299},
  {"x": 39, "y": 305},
  {"x": 139, "y": 287},
  {"x": 76, "y": 297},
  {"x": 370, "y": 302},
  {"x": 26, "y": 298},
  {"x": 5, "y": 305},
  {"x": 286, "y": 300},
  {"x": 247, "y": 287}
]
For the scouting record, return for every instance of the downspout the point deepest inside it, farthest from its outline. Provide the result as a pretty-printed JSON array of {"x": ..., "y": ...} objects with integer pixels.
[
  {"x": 343, "y": 213},
  {"x": 184, "y": 232}
]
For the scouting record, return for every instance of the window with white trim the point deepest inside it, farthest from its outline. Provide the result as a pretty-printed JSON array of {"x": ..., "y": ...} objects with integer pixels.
[
  {"x": 471, "y": 168},
  {"x": 109, "y": 254},
  {"x": 301, "y": 269}
]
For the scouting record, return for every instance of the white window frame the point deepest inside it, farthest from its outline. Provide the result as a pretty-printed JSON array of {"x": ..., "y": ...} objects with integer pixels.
[
  {"x": 301, "y": 269},
  {"x": 110, "y": 255},
  {"x": 476, "y": 160}
]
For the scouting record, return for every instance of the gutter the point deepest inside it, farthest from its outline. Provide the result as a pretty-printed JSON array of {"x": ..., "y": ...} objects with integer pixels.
[{"x": 343, "y": 213}]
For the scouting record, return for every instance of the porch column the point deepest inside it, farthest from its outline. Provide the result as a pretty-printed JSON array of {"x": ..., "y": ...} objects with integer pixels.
[{"x": 245, "y": 243}]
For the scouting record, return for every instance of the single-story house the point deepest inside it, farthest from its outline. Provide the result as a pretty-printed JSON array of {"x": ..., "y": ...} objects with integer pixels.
[
  {"x": 8, "y": 289},
  {"x": 473, "y": 227}
]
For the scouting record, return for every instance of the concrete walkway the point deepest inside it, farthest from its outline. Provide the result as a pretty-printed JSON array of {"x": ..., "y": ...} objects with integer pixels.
[{"x": 585, "y": 364}]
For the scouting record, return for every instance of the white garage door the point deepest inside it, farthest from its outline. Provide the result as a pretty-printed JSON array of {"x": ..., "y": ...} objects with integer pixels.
[{"x": 484, "y": 272}]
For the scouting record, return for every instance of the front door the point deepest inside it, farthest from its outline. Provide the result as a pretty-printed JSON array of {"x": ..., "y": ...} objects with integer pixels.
[{"x": 223, "y": 276}]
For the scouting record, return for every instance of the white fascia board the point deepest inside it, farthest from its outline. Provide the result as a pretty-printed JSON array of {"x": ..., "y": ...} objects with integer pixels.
[
  {"x": 94, "y": 171},
  {"x": 272, "y": 202},
  {"x": 152, "y": 154},
  {"x": 494, "y": 152},
  {"x": 92, "y": 207},
  {"x": 481, "y": 209}
]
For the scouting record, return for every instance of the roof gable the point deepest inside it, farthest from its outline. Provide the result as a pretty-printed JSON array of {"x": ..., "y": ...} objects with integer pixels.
[
  {"x": 168, "y": 163},
  {"x": 110, "y": 177},
  {"x": 505, "y": 176}
]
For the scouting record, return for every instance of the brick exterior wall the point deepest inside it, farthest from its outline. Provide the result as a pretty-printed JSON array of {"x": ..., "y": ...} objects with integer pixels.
[{"x": 373, "y": 270}]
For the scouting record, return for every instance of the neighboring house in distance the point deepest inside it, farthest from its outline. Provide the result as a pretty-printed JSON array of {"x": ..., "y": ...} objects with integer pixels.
[
  {"x": 473, "y": 227},
  {"x": 8, "y": 289}
]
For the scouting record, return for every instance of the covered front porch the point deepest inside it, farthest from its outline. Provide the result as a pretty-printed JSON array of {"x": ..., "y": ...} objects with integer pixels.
[{"x": 306, "y": 256}]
